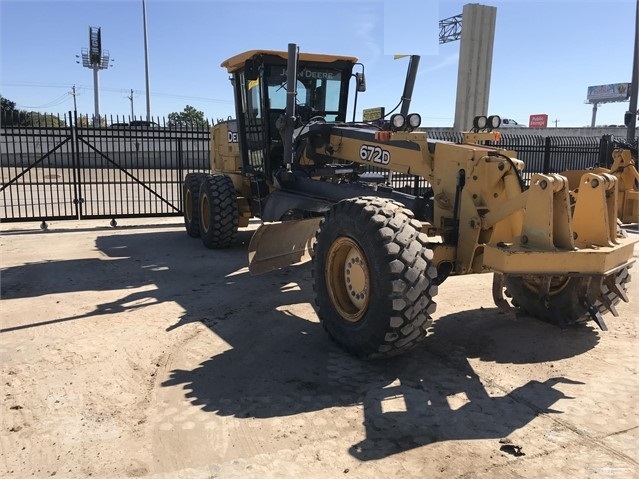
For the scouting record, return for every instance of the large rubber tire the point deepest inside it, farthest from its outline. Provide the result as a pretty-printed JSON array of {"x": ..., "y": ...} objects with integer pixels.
[
  {"x": 219, "y": 213},
  {"x": 373, "y": 277},
  {"x": 191, "y": 202},
  {"x": 564, "y": 306}
]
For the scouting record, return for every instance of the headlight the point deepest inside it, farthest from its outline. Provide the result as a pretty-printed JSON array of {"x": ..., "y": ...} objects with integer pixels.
[
  {"x": 494, "y": 121},
  {"x": 480, "y": 122},
  {"x": 397, "y": 121},
  {"x": 414, "y": 120}
]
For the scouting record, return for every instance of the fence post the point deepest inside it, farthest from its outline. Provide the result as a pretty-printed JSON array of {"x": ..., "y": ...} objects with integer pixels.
[
  {"x": 546, "y": 165},
  {"x": 180, "y": 159},
  {"x": 75, "y": 165}
]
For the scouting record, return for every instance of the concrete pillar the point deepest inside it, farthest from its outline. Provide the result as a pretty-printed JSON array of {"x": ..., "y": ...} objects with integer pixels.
[{"x": 475, "y": 64}]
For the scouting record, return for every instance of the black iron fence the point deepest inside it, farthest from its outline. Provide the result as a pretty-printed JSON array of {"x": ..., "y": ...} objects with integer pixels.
[
  {"x": 64, "y": 168},
  {"x": 76, "y": 171}
]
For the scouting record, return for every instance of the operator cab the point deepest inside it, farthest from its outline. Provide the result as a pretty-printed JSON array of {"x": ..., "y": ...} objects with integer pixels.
[{"x": 259, "y": 82}]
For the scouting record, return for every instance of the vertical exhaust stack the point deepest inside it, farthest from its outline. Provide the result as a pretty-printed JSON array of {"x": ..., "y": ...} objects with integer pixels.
[
  {"x": 291, "y": 93},
  {"x": 411, "y": 75}
]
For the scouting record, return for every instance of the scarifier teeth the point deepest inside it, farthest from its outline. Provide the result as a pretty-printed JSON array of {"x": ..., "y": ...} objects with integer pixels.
[
  {"x": 597, "y": 317},
  {"x": 498, "y": 295},
  {"x": 611, "y": 282},
  {"x": 608, "y": 304}
]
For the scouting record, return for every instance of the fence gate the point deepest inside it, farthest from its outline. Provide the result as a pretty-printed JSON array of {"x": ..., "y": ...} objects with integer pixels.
[
  {"x": 38, "y": 180},
  {"x": 81, "y": 172}
]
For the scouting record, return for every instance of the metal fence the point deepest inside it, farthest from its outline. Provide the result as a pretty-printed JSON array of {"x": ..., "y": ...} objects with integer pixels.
[
  {"x": 75, "y": 171},
  {"x": 61, "y": 168}
]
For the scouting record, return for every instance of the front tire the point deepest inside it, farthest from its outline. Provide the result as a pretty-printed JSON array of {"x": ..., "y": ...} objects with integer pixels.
[
  {"x": 219, "y": 213},
  {"x": 191, "y": 203},
  {"x": 373, "y": 277}
]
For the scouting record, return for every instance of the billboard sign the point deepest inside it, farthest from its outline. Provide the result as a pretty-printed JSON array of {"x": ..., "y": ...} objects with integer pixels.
[
  {"x": 612, "y": 92},
  {"x": 95, "y": 45},
  {"x": 538, "y": 121}
]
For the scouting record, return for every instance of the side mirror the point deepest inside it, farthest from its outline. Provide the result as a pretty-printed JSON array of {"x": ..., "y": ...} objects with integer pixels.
[{"x": 361, "y": 81}]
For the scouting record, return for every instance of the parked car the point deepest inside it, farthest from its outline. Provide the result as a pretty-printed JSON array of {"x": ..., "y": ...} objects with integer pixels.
[
  {"x": 510, "y": 123},
  {"x": 144, "y": 124}
]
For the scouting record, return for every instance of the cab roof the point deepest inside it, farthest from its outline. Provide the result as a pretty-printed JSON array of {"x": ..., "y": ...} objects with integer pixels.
[{"x": 236, "y": 62}]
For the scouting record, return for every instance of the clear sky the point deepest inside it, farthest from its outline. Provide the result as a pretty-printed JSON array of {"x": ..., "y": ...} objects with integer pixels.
[{"x": 546, "y": 54}]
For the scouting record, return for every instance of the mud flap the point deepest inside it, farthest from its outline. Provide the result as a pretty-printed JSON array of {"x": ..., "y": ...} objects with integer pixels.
[{"x": 277, "y": 245}]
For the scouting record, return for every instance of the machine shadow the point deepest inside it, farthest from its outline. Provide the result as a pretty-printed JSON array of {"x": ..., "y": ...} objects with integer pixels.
[
  {"x": 169, "y": 263},
  {"x": 281, "y": 364}
]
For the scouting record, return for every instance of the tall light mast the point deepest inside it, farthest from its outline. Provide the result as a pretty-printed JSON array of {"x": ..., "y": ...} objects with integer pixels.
[{"x": 96, "y": 59}]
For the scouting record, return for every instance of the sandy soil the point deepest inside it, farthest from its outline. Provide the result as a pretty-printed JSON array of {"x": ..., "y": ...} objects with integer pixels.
[{"x": 136, "y": 352}]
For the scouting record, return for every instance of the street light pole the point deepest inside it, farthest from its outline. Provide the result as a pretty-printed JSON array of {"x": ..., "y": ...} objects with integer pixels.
[{"x": 146, "y": 65}]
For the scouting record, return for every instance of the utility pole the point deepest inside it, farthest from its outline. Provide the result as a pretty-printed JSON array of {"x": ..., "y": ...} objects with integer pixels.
[
  {"x": 146, "y": 65},
  {"x": 556, "y": 121},
  {"x": 73, "y": 93},
  {"x": 130, "y": 97},
  {"x": 632, "y": 107}
]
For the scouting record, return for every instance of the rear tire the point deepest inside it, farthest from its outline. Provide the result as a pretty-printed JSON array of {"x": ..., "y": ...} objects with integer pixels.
[
  {"x": 564, "y": 306},
  {"x": 191, "y": 202},
  {"x": 219, "y": 213},
  {"x": 373, "y": 277}
]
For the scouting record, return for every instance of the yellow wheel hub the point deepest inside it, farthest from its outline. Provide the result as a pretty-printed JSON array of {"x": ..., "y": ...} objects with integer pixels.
[{"x": 348, "y": 279}]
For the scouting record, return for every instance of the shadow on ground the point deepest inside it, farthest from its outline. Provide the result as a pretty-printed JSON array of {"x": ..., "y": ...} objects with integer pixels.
[{"x": 281, "y": 364}]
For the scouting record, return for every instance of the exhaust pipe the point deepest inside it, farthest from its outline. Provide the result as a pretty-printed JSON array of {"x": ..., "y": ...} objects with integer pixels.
[
  {"x": 291, "y": 94},
  {"x": 411, "y": 75}
]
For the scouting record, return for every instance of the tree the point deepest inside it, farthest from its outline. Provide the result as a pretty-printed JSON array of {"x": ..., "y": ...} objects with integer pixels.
[
  {"x": 11, "y": 116},
  {"x": 89, "y": 122},
  {"x": 190, "y": 118}
]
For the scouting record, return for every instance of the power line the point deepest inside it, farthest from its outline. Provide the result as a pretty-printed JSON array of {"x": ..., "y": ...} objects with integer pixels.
[
  {"x": 119, "y": 90},
  {"x": 55, "y": 102}
]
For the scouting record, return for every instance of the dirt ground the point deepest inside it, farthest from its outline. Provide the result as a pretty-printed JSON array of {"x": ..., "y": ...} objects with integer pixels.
[{"x": 136, "y": 352}]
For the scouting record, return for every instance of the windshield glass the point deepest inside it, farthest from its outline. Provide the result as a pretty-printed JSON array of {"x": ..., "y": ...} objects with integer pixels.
[{"x": 317, "y": 88}]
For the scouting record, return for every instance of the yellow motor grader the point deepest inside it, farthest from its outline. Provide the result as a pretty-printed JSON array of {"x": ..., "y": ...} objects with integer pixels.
[{"x": 292, "y": 159}]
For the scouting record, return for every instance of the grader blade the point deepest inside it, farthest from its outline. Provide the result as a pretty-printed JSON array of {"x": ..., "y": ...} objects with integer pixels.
[{"x": 277, "y": 245}]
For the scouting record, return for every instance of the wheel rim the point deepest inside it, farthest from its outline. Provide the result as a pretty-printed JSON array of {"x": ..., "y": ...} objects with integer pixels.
[
  {"x": 348, "y": 279},
  {"x": 205, "y": 210},
  {"x": 188, "y": 205}
]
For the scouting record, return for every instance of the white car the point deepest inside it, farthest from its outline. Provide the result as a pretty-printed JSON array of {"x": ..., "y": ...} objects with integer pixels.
[{"x": 510, "y": 123}]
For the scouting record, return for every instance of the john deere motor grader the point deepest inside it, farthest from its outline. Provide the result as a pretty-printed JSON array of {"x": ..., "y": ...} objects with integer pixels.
[{"x": 293, "y": 160}]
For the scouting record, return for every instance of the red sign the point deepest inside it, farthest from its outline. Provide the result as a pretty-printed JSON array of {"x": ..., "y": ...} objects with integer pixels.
[{"x": 538, "y": 121}]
